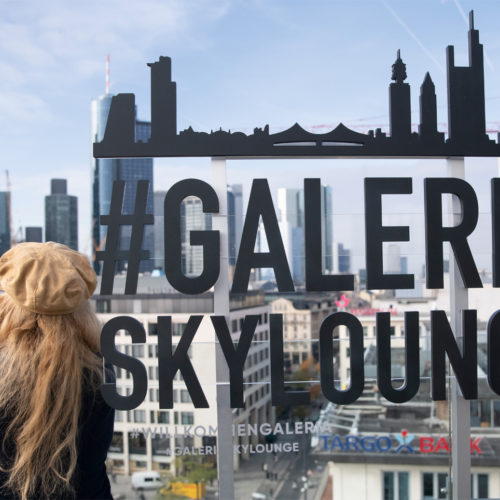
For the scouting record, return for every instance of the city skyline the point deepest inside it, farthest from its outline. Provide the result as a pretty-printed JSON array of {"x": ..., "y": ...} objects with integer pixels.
[{"x": 53, "y": 64}]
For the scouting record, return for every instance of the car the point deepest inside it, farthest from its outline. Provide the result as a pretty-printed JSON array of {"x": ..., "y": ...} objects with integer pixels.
[{"x": 148, "y": 480}]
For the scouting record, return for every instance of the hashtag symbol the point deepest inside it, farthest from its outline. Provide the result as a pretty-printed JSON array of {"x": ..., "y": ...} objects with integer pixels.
[
  {"x": 134, "y": 433},
  {"x": 134, "y": 254}
]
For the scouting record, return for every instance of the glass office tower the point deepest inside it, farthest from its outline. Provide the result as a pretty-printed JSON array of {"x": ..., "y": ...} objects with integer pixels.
[
  {"x": 61, "y": 215},
  {"x": 106, "y": 171}
]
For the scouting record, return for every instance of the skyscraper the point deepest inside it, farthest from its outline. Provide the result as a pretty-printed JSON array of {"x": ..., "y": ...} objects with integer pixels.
[
  {"x": 192, "y": 219},
  {"x": 33, "y": 233},
  {"x": 61, "y": 215},
  {"x": 327, "y": 228},
  {"x": 291, "y": 223},
  {"x": 235, "y": 220},
  {"x": 4, "y": 222},
  {"x": 130, "y": 170},
  {"x": 159, "y": 230}
]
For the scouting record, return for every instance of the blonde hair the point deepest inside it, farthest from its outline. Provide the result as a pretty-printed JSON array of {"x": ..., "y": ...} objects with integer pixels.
[{"x": 45, "y": 361}]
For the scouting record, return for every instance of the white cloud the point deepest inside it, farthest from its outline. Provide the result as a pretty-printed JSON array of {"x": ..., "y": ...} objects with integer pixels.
[{"x": 55, "y": 43}]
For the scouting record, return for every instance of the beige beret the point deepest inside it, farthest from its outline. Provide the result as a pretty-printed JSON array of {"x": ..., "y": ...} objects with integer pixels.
[{"x": 46, "y": 278}]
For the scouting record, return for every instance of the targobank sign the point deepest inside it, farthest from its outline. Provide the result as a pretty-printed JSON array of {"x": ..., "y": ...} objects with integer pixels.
[{"x": 403, "y": 442}]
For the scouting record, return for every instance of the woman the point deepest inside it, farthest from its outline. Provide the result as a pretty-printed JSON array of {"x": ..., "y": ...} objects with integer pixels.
[{"x": 55, "y": 428}]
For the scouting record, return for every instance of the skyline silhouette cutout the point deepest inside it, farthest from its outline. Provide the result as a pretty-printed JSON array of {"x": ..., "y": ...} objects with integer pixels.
[{"x": 466, "y": 122}]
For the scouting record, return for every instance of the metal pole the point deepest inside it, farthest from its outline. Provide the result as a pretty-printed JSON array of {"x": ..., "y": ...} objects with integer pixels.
[
  {"x": 221, "y": 307},
  {"x": 460, "y": 407}
]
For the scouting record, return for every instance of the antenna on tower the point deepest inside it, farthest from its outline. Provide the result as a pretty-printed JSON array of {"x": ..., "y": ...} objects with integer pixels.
[{"x": 107, "y": 74}]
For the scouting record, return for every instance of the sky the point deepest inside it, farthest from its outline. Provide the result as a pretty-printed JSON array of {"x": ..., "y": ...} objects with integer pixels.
[{"x": 238, "y": 65}]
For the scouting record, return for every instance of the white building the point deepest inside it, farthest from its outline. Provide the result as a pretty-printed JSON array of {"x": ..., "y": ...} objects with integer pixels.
[{"x": 145, "y": 438}]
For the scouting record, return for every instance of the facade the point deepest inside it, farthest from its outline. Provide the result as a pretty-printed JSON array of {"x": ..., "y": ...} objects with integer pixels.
[
  {"x": 5, "y": 236},
  {"x": 183, "y": 426},
  {"x": 130, "y": 170},
  {"x": 302, "y": 318},
  {"x": 61, "y": 215}
]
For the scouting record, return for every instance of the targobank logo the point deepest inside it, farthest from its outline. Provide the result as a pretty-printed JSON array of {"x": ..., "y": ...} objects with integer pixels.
[
  {"x": 397, "y": 443},
  {"x": 404, "y": 439}
]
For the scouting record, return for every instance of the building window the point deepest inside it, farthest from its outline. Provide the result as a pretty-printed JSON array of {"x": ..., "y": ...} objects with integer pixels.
[
  {"x": 396, "y": 486},
  {"x": 137, "y": 444},
  {"x": 103, "y": 306},
  {"x": 163, "y": 417},
  {"x": 139, "y": 416},
  {"x": 434, "y": 485},
  {"x": 187, "y": 418},
  {"x": 116, "y": 445},
  {"x": 178, "y": 329},
  {"x": 160, "y": 445},
  {"x": 152, "y": 395},
  {"x": 138, "y": 351},
  {"x": 479, "y": 486},
  {"x": 185, "y": 397},
  {"x": 153, "y": 328}
]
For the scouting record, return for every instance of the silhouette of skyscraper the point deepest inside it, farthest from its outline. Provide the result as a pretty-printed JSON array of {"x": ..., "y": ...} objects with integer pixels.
[
  {"x": 61, "y": 215},
  {"x": 466, "y": 114},
  {"x": 399, "y": 102},
  {"x": 130, "y": 170},
  {"x": 163, "y": 101},
  {"x": 428, "y": 112},
  {"x": 4, "y": 222}
]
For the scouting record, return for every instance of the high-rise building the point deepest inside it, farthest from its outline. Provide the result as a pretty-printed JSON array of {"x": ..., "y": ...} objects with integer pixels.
[
  {"x": 192, "y": 219},
  {"x": 291, "y": 223},
  {"x": 33, "y": 234},
  {"x": 393, "y": 262},
  {"x": 159, "y": 230},
  {"x": 327, "y": 228},
  {"x": 341, "y": 259},
  {"x": 4, "y": 222},
  {"x": 61, "y": 215},
  {"x": 235, "y": 220},
  {"x": 130, "y": 170}
]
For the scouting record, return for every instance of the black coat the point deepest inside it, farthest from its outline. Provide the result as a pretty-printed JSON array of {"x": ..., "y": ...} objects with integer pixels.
[{"x": 94, "y": 437}]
